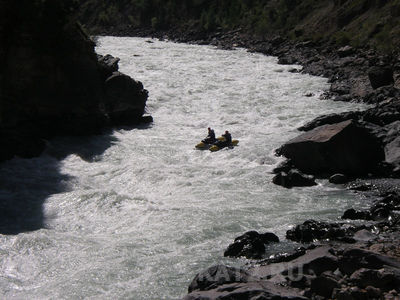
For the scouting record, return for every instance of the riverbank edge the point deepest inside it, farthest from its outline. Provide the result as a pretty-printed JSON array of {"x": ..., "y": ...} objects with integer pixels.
[{"x": 347, "y": 69}]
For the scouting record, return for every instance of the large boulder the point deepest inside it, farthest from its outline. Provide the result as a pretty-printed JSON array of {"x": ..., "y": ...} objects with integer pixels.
[
  {"x": 380, "y": 76},
  {"x": 126, "y": 99},
  {"x": 345, "y": 147}
]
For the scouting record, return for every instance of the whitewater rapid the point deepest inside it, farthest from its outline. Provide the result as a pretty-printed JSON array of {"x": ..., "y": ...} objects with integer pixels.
[{"x": 137, "y": 213}]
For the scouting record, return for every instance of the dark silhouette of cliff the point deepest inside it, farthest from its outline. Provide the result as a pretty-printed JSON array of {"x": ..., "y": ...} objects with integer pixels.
[{"x": 51, "y": 82}]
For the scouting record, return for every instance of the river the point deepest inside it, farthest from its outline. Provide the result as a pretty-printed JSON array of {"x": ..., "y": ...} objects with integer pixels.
[{"x": 137, "y": 213}]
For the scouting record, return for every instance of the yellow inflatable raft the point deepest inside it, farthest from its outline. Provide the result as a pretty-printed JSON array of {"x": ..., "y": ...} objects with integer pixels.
[{"x": 213, "y": 148}]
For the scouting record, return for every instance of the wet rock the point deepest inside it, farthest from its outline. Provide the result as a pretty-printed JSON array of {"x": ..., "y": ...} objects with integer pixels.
[
  {"x": 126, "y": 99},
  {"x": 353, "y": 214},
  {"x": 381, "y": 211},
  {"x": 284, "y": 166},
  {"x": 146, "y": 119},
  {"x": 338, "y": 179},
  {"x": 293, "y": 178},
  {"x": 344, "y": 147},
  {"x": 251, "y": 245},
  {"x": 380, "y": 76},
  {"x": 284, "y": 257},
  {"x": 216, "y": 276},
  {"x": 312, "y": 230},
  {"x": 361, "y": 186}
]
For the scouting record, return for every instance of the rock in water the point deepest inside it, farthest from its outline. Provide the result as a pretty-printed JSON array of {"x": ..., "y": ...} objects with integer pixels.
[
  {"x": 344, "y": 147},
  {"x": 250, "y": 245},
  {"x": 293, "y": 178},
  {"x": 217, "y": 275},
  {"x": 126, "y": 99},
  {"x": 338, "y": 179}
]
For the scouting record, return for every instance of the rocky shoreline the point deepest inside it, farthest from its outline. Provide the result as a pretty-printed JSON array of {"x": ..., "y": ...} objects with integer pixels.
[{"x": 358, "y": 257}]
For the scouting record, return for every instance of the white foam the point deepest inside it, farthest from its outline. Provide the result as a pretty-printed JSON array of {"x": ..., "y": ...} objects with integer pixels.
[{"x": 141, "y": 219}]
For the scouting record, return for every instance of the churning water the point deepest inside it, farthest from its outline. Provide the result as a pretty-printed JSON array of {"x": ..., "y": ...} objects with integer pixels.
[{"x": 136, "y": 213}]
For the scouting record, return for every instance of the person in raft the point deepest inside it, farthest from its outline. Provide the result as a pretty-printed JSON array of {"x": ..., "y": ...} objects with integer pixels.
[
  {"x": 210, "y": 139},
  {"x": 228, "y": 137},
  {"x": 226, "y": 142}
]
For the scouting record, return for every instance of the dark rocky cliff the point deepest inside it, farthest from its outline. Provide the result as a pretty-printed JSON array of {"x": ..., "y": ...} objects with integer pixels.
[{"x": 51, "y": 82}]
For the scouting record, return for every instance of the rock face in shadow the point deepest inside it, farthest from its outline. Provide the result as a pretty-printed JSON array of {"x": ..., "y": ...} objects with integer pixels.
[
  {"x": 51, "y": 81},
  {"x": 126, "y": 99},
  {"x": 345, "y": 147}
]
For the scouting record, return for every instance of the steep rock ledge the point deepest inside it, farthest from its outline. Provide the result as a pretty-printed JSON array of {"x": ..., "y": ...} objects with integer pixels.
[{"x": 51, "y": 81}]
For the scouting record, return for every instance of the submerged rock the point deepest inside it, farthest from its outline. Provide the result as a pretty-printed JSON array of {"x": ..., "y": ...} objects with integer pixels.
[
  {"x": 353, "y": 214},
  {"x": 293, "y": 178}
]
